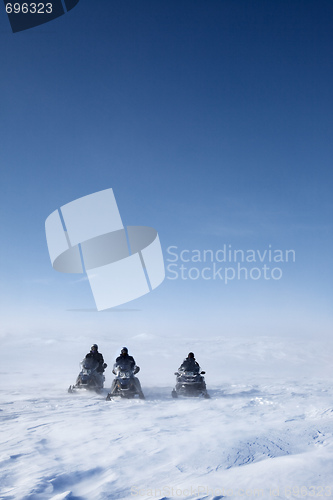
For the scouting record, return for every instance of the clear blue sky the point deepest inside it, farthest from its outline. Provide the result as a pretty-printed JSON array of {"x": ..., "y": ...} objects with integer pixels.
[{"x": 211, "y": 120}]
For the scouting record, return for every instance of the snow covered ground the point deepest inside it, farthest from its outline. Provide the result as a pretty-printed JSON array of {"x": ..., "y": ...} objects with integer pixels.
[{"x": 265, "y": 433}]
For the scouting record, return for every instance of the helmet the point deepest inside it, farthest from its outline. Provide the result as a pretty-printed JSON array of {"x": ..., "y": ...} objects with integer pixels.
[
  {"x": 124, "y": 350},
  {"x": 94, "y": 347},
  {"x": 190, "y": 355}
]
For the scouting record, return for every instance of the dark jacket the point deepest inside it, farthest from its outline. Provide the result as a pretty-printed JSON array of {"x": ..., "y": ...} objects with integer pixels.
[
  {"x": 190, "y": 365},
  {"x": 126, "y": 360},
  {"x": 97, "y": 356}
]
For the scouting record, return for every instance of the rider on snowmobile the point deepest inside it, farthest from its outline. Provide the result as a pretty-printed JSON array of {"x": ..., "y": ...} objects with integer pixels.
[
  {"x": 91, "y": 374},
  {"x": 189, "y": 379},
  {"x": 97, "y": 356},
  {"x": 125, "y": 359},
  {"x": 190, "y": 364}
]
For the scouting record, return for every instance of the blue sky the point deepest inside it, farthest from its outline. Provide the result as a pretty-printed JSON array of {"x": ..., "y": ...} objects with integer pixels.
[{"x": 211, "y": 121}]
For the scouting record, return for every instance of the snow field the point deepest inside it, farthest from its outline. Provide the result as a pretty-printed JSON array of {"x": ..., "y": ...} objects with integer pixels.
[{"x": 266, "y": 431}]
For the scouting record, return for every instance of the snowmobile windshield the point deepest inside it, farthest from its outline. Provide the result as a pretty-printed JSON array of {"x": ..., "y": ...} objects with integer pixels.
[
  {"x": 189, "y": 374},
  {"x": 189, "y": 366},
  {"x": 89, "y": 364},
  {"x": 123, "y": 366}
]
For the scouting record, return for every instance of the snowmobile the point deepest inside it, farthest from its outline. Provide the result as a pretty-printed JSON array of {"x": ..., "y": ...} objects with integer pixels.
[
  {"x": 125, "y": 384},
  {"x": 190, "y": 384},
  {"x": 89, "y": 377}
]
